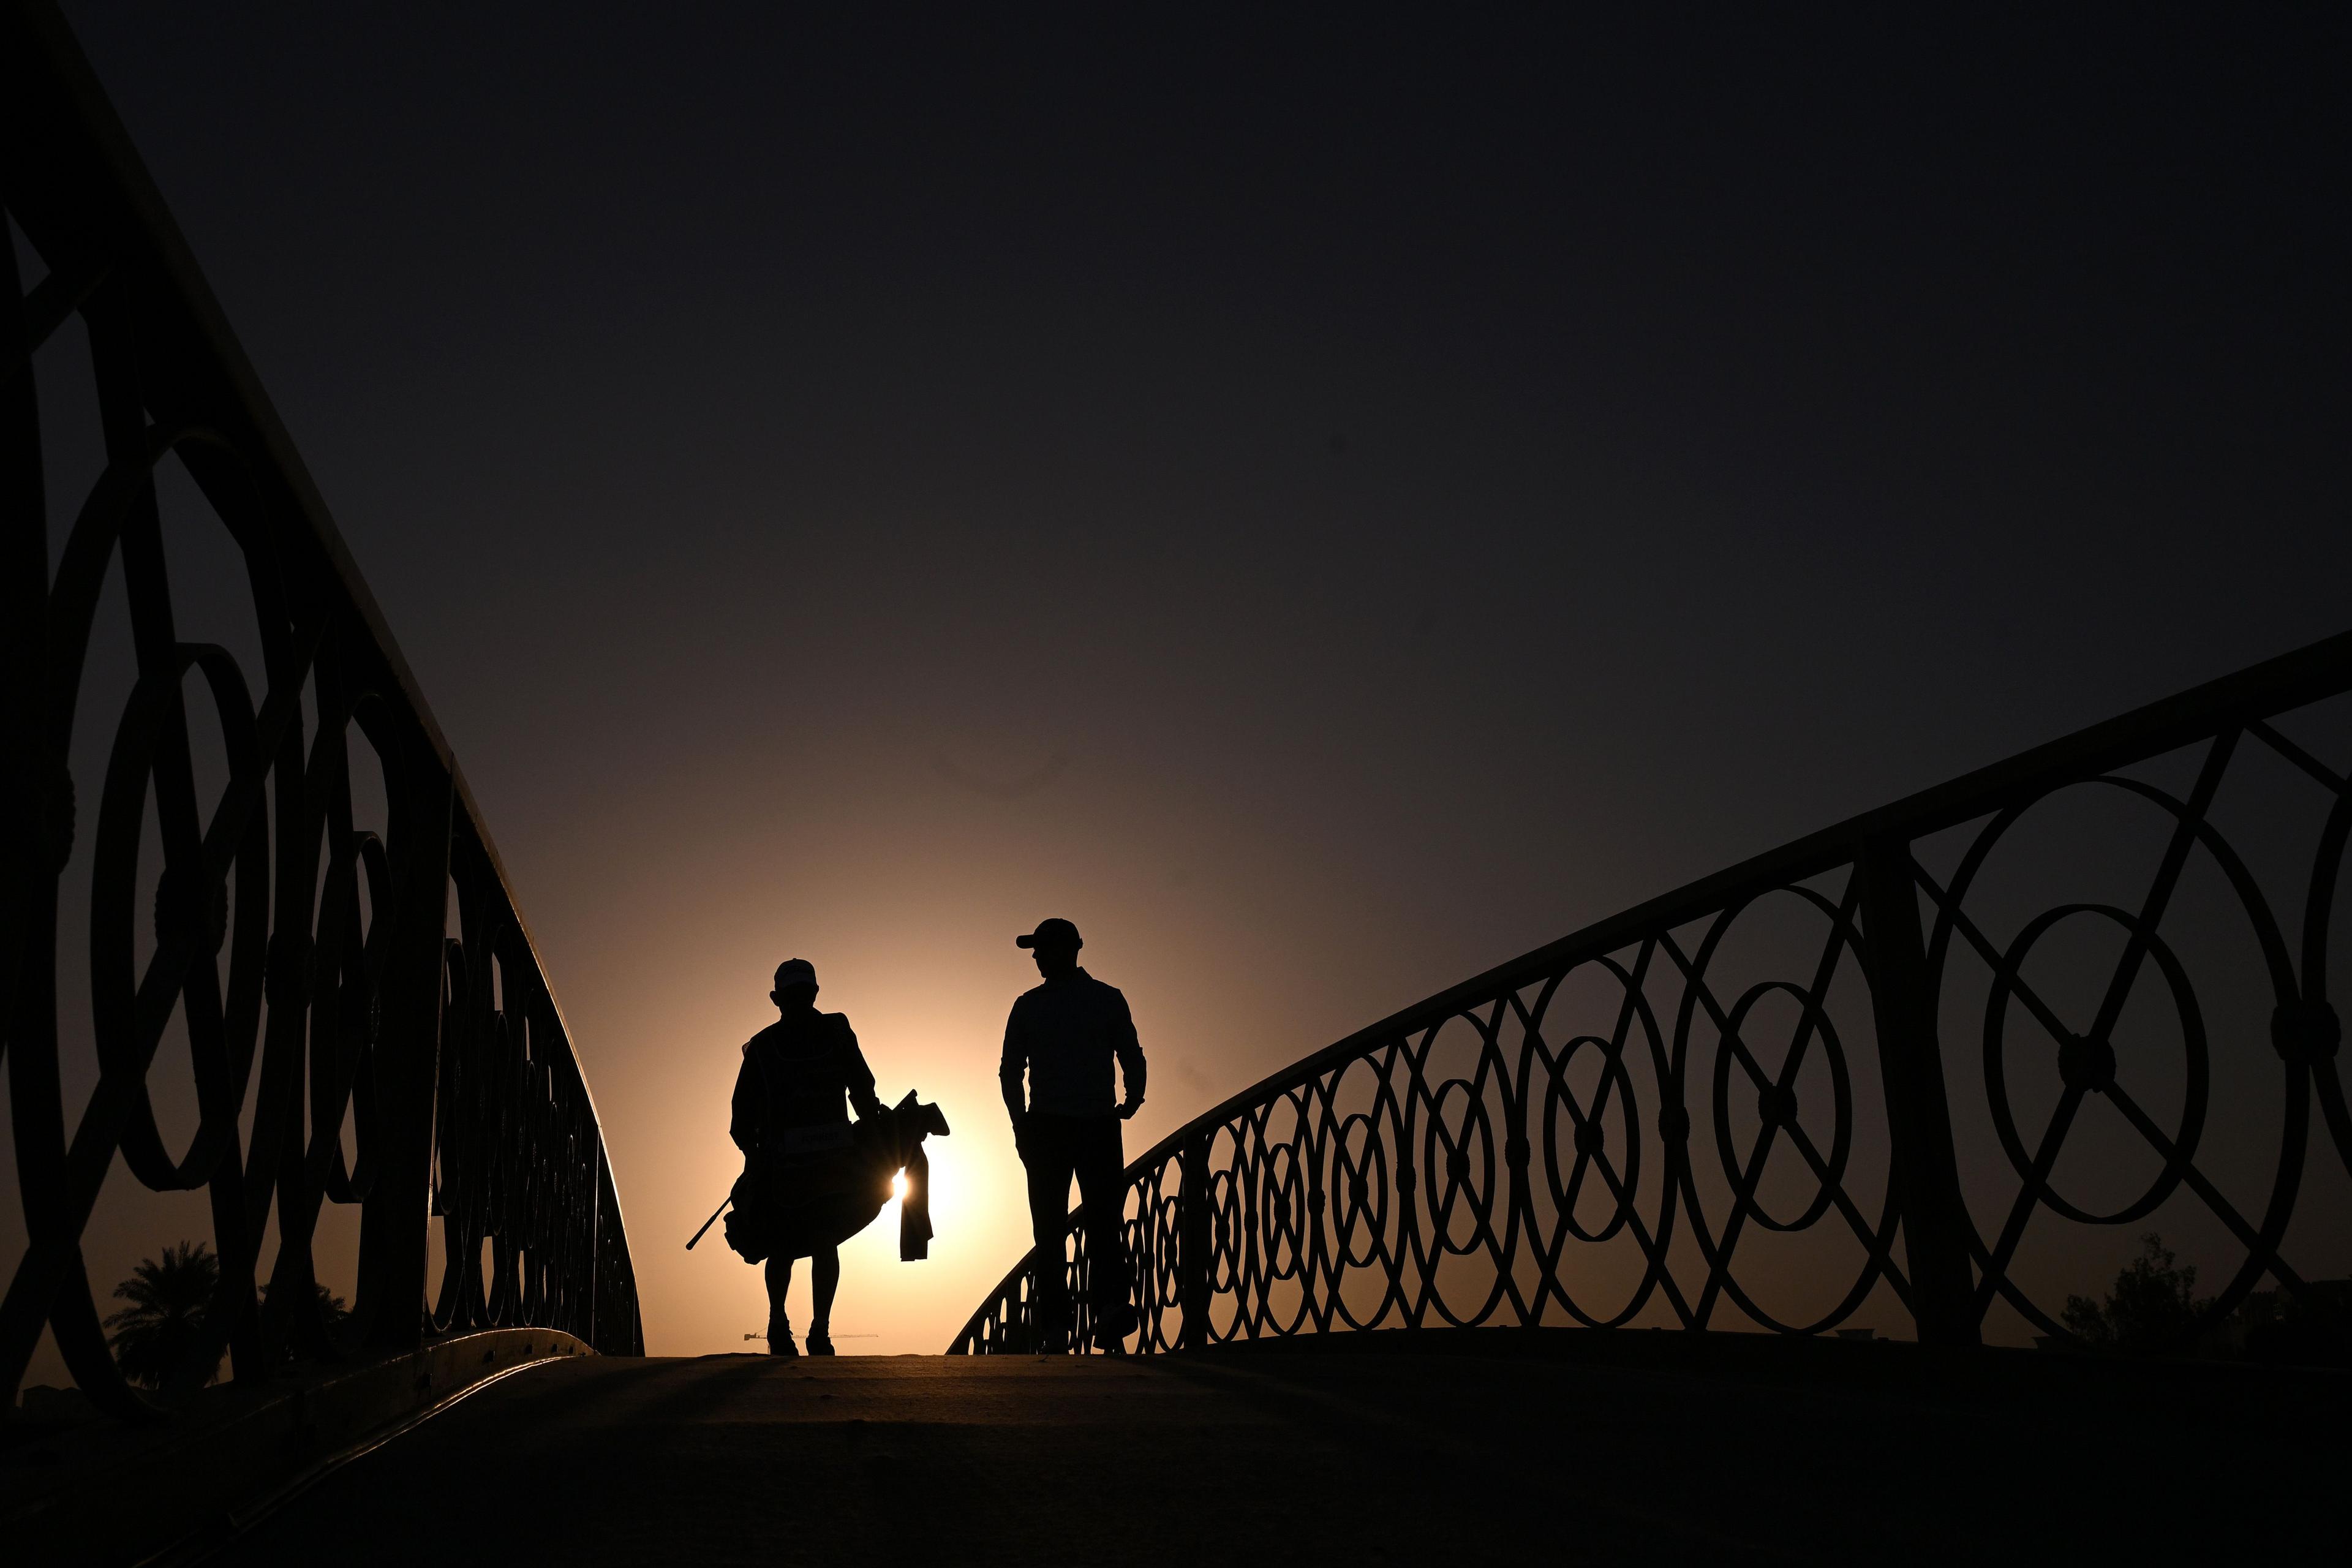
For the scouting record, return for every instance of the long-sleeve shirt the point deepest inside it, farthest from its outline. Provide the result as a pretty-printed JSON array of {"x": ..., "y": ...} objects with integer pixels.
[
  {"x": 1064, "y": 1035},
  {"x": 795, "y": 1073}
]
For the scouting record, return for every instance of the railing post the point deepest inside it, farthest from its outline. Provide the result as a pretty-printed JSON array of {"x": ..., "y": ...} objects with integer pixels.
[
  {"x": 1192, "y": 1243},
  {"x": 33, "y": 791},
  {"x": 596, "y": 1270},
  {"x": 619, "y": 1328},
  {"x": 407, "y": 1053},
  {"x": 1926, "y": 1173}
]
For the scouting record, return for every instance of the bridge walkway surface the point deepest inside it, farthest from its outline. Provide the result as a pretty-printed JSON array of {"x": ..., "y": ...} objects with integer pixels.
[{"x": 1768, "y": 1451}]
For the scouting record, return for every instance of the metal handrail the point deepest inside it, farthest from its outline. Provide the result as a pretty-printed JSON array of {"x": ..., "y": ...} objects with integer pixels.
[
  {"x": 349, "y": 1004},
  {"x": 1955, "y": 1273}
]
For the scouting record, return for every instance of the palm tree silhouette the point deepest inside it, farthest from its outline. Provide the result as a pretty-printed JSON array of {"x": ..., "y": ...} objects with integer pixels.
[{"x": 158, "y": 1329}]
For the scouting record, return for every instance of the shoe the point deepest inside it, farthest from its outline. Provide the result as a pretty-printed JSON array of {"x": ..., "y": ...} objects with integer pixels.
[
  {"x": 820, "y": 1343},
  {"x": 780, "y": 1341}
]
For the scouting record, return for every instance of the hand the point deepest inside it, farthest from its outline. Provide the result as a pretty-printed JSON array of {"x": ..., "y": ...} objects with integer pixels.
[
  {"x": 1021, "y": 1133},
  {"x": 1127, "y": 1111}
]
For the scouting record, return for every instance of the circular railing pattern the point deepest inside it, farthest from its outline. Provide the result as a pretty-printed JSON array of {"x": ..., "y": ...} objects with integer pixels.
[
  {"x": 1483, "y": 1158},
  {"x": 301, "y": 959}
]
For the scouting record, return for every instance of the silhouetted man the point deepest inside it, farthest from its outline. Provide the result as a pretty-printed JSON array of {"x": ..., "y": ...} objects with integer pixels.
[
  {"x": 789, "y": 1109},
  {"x": 1064, "y": 1035}
]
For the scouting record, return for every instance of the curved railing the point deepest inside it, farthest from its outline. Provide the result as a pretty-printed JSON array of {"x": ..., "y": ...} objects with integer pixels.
[
  {"x": 1893, "y": 1078},
  {"x": 267, "y": 837}
]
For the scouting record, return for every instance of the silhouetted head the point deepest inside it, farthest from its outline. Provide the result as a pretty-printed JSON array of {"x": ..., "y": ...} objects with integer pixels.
[
  {"x": 1054, "y": 945},
  {"x": 795, "y": 986}
]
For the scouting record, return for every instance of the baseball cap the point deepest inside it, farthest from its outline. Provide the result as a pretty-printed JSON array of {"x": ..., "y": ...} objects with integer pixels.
[
  {"x": 794, "y": 971},
  {"x": 1051, "y": 933}
]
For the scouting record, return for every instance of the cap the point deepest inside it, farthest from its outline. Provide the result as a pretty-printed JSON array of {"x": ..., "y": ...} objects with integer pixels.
[
  {"x": 1052, "y": 933},
  {"x": 794, "y": 971}
]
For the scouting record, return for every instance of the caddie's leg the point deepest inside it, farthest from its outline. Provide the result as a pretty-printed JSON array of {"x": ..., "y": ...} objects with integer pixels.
[
  {"x": 825, "y": 1277},
  {"x": 780, "y": 1326}
]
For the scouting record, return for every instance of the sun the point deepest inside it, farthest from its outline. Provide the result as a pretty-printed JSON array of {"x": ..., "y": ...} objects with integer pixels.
[{"x": 898, "y": 1185}]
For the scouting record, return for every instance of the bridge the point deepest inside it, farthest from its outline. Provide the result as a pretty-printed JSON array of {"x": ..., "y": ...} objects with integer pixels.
[{"x": 1749, "y": 1223}]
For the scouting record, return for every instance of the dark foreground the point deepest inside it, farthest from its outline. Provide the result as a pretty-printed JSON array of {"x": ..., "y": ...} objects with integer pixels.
[{"x": 1837, "y": 1453}]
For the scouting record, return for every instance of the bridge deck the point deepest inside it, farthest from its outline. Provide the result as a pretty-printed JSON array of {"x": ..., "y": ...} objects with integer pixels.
[{"x": 1316, "y": 1456}]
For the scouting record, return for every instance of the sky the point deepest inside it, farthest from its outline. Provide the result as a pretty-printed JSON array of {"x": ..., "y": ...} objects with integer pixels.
[{"x": 1326, "y": 502}]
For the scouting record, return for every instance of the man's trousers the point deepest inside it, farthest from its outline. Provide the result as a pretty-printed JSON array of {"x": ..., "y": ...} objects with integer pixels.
[{"x": 1056, "y": 1148}]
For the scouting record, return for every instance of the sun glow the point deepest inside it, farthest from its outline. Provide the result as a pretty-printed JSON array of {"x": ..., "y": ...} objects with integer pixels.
[{"x": 898, "y": 1185}]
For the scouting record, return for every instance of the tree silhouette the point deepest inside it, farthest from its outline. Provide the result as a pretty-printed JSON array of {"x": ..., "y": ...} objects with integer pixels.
[
  {"x": 2154, "y": 1303},
  {"x": 332, "y": 1314},
  {"x": 153, "y": 1334},
  {"x": 332, "y": 1310}
]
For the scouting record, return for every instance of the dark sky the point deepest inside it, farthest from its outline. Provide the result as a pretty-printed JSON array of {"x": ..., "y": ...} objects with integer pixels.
[{"x": 1326, "y": 502}]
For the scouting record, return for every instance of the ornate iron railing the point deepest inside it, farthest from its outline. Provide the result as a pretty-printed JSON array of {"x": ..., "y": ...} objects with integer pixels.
[
  {"x": 1899, "y": 1072},
  {"x": 302, "y": 959}
]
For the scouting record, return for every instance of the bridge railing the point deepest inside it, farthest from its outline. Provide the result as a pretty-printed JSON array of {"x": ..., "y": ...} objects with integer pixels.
[
  {"x": 1935, "y": 1072},
  {"x": 262, "y": 830}
]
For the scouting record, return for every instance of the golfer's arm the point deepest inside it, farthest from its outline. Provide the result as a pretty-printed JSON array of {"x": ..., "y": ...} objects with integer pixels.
[
  {"x": 1129, "y": 1051},
  {"x": 1011, "y": 1067}
]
